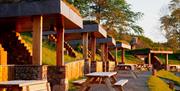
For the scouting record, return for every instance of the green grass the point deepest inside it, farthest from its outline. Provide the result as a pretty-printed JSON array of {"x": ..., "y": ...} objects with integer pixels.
[
  {"x": 71, "y": 86},
  {"x": 156, "y": 84},
  {"x": 169, "y": 75},
  {"x": 129, "y": 59},
  {"x": 98, "y": 57},
  {"x": 49, "y": 51}
]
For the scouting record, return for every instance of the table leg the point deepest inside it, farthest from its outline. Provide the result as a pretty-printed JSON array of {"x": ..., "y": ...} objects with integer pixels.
[
  {"x": 114, "y": 79},
  {"x": 100, "y": 80},
  {"x": 85, "y": 86},
  {"x": 108, "y": 84}
]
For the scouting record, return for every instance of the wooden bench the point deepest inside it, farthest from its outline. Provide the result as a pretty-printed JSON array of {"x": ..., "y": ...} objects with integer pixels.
[
  {"x": 119, "y": 84},
  {"x": 79, "y": 82},
  {"x": 25, "y": 85}
]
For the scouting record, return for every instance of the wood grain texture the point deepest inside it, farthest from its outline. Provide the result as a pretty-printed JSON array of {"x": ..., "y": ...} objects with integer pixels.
[
  {"x": 60, "y": 42},
  {"x": 37, "y": 40}
]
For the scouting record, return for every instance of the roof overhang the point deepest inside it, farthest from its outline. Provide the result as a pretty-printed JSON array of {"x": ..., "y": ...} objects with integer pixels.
[
  {"x": 110, "y": 41},
  {"x": 161, "y": 52},
  {"x": 146, "y": 51},
  {"x": 123, "y": 45},
  {"x": 94, "y": 29},
  {"x": 49, "y": 9}
]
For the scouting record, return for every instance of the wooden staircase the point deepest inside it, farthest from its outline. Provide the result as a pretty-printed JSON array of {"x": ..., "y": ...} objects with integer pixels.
[
  {"x": 111, "y": 57},
  {"x": 157, "y": 63},
  {"x": 3, "y": 56},
  {"x": 70, "y": 50},
  {"x": 18, "y": 51}
]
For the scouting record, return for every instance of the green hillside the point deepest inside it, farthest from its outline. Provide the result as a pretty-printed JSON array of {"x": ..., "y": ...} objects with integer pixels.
[
  {"x": 129, "y": 59},
  {"x": 172, "y": 59},
  {"x": 48, "y": 51}
]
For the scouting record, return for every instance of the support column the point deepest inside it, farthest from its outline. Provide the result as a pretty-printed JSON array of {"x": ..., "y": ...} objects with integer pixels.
[
  {"x": 60, "y": 43},
  {"x": 102, "y": 46},
  {"x": 149, "y": 59},
  {"x": 93, "y": 47},
  {"x": 106, "y": 58},
  {"x": 166, "y": 62},
  {"x": 116, "y": 51},
  {"x": 122, "y": 56},
  {"x": 37, "y": 40},
  {"x": 85, "y": 45},
  {"x": 85, "y": 53},
  {"x": 102, "y": 52}
]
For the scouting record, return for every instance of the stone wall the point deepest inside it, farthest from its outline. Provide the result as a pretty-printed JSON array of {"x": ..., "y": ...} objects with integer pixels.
[
  {"x": 56, "y": 76},
  {"x": 30, "y": 72}
]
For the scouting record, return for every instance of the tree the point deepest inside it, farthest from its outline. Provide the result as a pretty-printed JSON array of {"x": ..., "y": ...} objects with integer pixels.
[
  {"x": 115, "y": 15},
  {"x": 171, "y": 24}
]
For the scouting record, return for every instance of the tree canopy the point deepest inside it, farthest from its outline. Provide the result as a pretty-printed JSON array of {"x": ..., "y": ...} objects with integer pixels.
[
  {"x": 115, "y": 15},
  {"x": 170, "y": 23}
]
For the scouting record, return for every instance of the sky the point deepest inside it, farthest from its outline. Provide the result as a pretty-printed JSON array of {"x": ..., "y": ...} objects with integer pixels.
[{"x": 152, "y": 10}]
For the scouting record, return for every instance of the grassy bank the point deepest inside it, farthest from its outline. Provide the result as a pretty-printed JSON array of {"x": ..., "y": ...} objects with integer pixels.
[
  {"x": 129, "y": 59},
  {"x": 168, "y": 75},
  {"x": 48, "y": 51},
  {"x": 172, "y": 59},
  {"x": 156, "y": 84}
]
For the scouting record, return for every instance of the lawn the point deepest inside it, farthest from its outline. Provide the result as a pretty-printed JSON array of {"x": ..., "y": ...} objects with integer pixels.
[
  {"x": 169, "y": 75},
  {"x": 129, "y": 59},
  {"x": 156, "y": 84},
  {"x": 172, "y": 59}
]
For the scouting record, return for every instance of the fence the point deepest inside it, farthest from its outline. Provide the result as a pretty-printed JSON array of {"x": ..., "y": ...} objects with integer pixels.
[
  {"x": 74, "y": 69},
  {"x": 110, "y": 66},
  {"x": 96, "y": 66}
]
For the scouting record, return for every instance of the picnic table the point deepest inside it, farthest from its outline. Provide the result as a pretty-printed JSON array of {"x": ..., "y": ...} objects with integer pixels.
[
  {"x": 126, "y": 66},
  {"x": 25, "y": 85},
  {"x": 106, "y": 78}
]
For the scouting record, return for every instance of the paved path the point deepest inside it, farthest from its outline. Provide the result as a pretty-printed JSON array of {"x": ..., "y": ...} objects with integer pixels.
[{"x": 135, "y": 84}]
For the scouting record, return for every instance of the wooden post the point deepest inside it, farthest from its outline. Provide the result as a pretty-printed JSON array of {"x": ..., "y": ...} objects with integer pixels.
[
  {"x": 37, "y": 40},
  {"x": 122, "y": 55},
  {"x": 149, "y": 59},
  {"x": 102, "y": 52},
  {"x": 85, "y": 53},
  {"x": 166, "y": 62},
  {"x": 116, "y": 51},
  {"x": 106, "y": 57},
  {"x": 103, "y": 55},
  {"x": 85, "y": 45},
  {"x": 93, "y": 47},
  {"x": 60, "y": 42}
]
